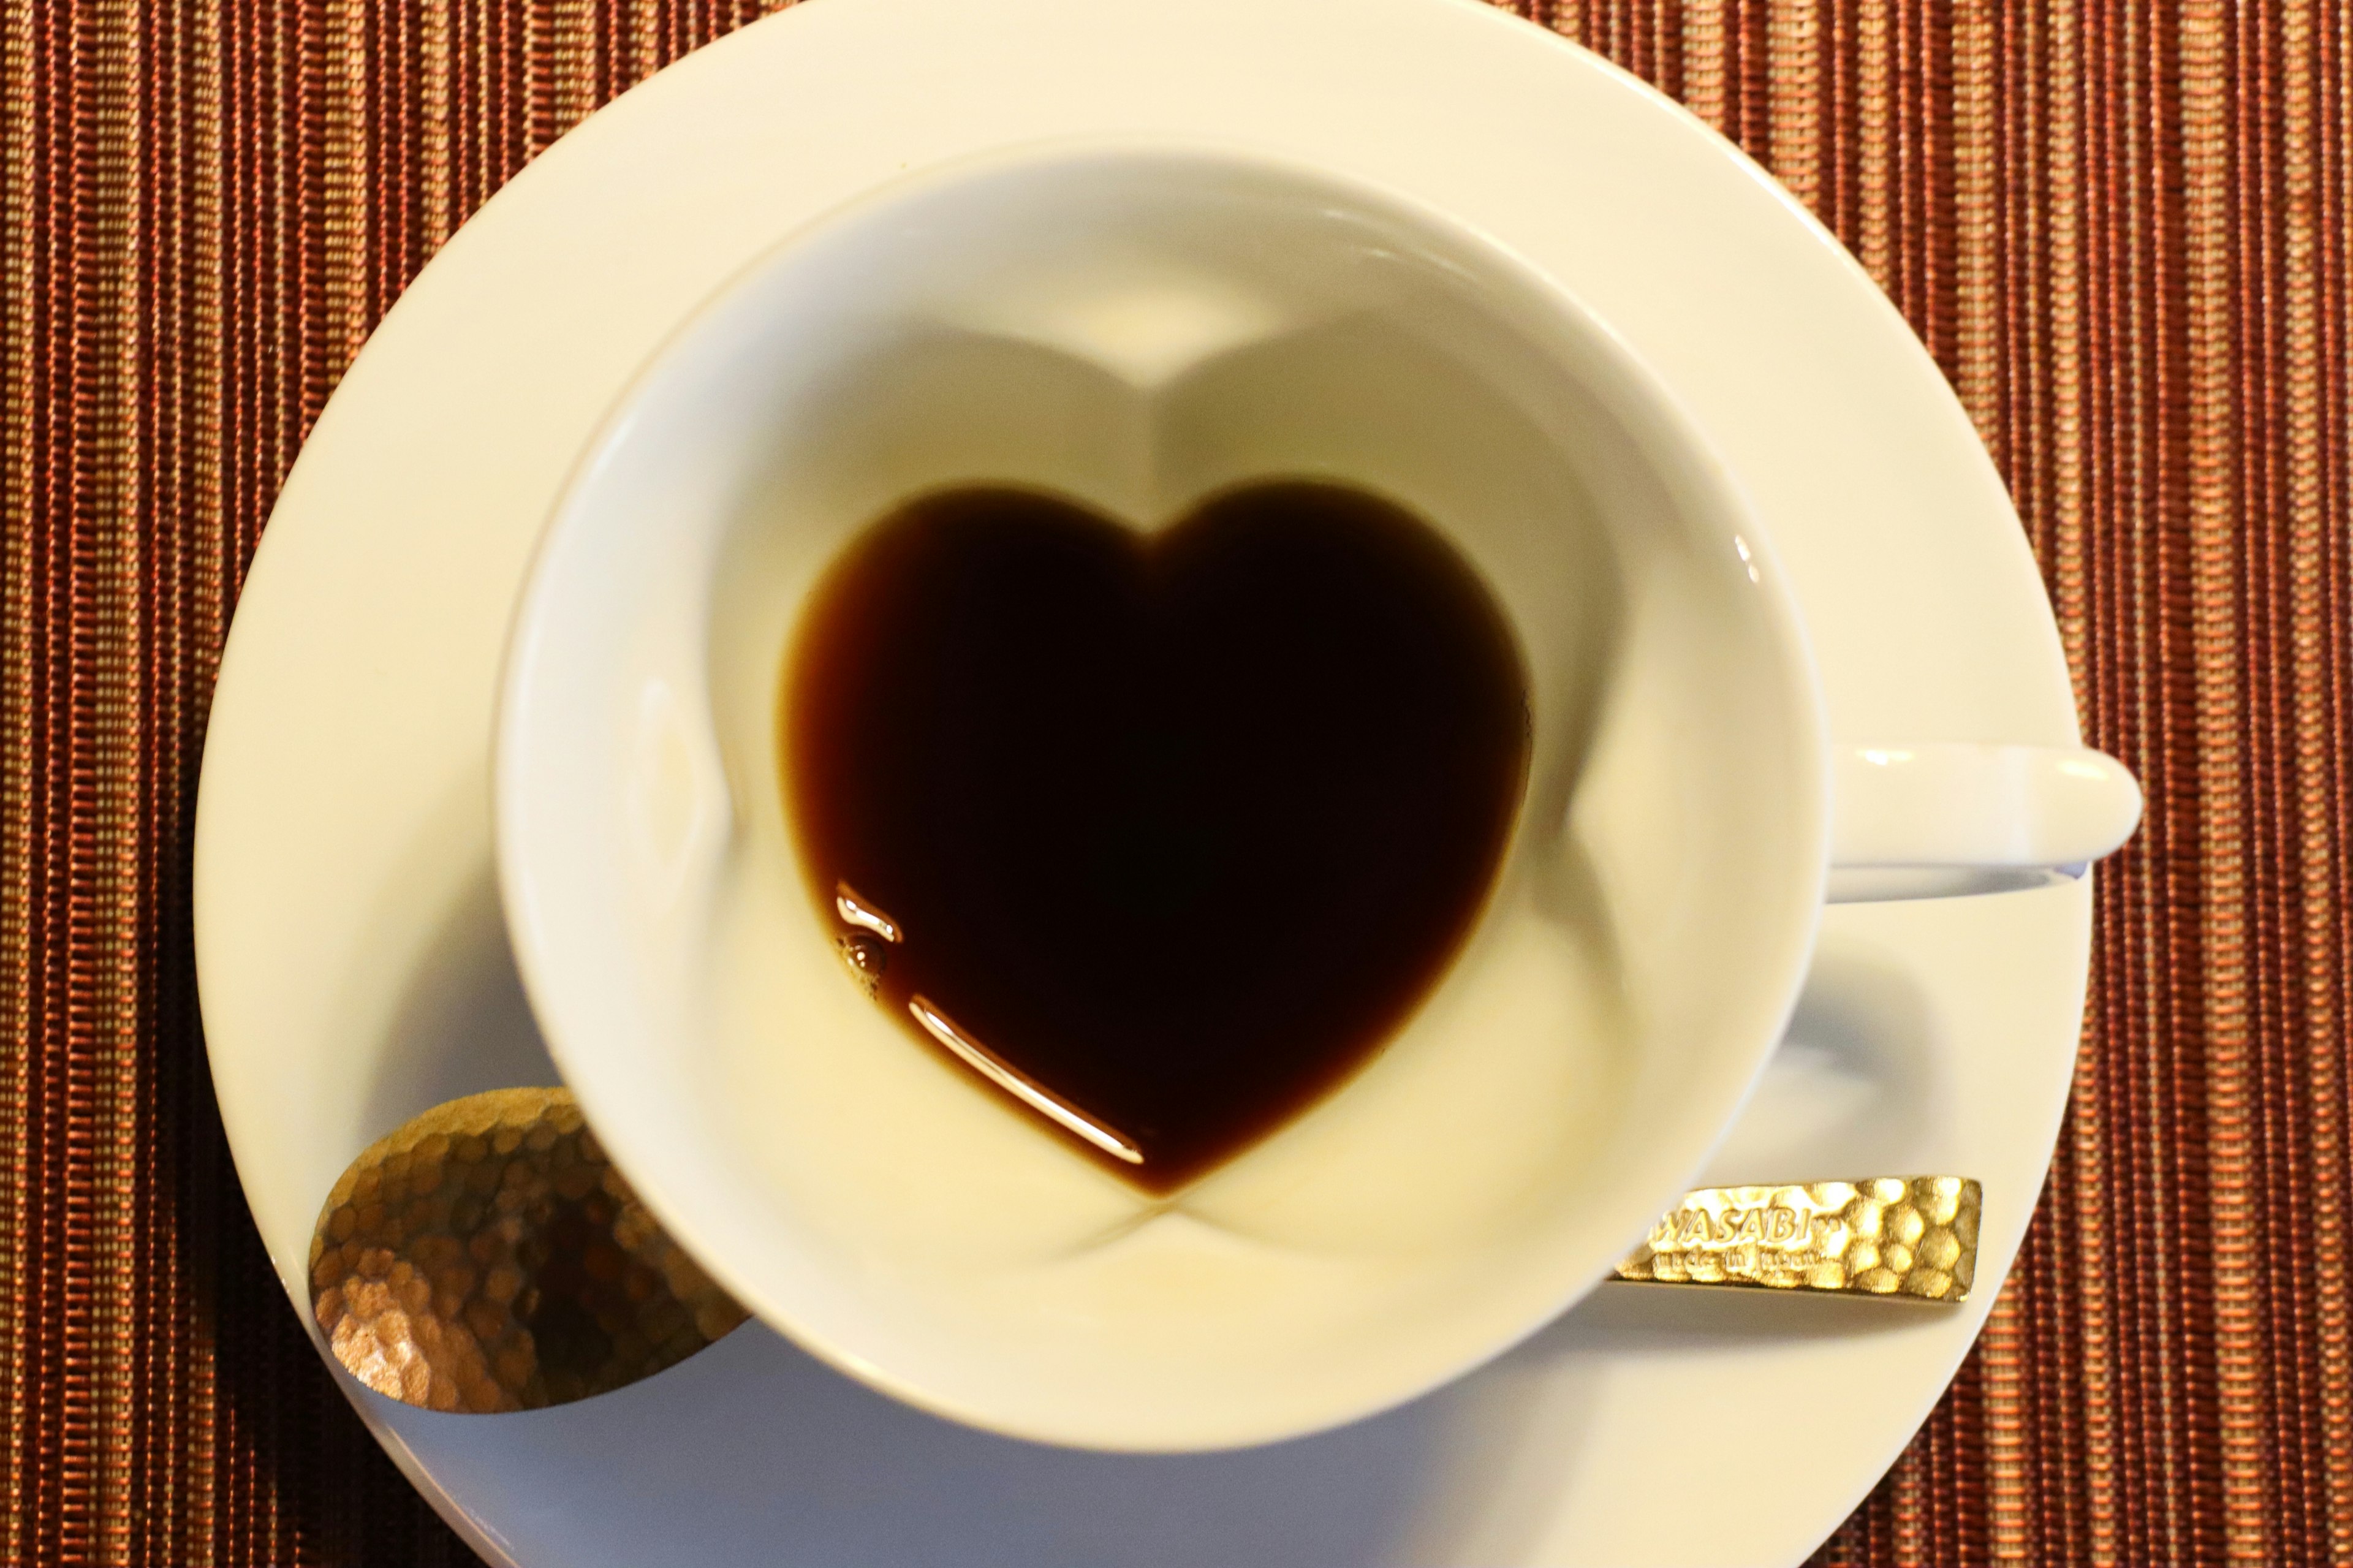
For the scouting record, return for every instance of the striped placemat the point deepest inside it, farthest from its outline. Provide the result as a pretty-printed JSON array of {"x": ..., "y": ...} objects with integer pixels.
[{"x": 2122, "y": 228}]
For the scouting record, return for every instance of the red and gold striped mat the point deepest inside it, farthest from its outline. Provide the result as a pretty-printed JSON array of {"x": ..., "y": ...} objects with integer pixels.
[{"x": 2121, "y": 227}]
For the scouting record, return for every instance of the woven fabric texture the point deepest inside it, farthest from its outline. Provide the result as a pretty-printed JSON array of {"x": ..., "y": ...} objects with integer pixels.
[{"x": 2121, "y": 228}]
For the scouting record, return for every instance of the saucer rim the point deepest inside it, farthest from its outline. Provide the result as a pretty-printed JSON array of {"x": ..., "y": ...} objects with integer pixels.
[{"x": 290, "y": 550}]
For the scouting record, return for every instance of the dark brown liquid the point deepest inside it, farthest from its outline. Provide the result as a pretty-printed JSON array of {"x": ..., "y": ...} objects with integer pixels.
[{"x": 1161, "y": 835}]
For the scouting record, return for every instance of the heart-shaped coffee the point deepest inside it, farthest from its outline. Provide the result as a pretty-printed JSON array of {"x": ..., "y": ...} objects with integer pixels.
[{"x": 1164, "y": 835}]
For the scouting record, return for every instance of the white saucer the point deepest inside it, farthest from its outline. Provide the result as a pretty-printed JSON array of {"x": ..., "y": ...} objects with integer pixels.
[{"x": 354, "y": 970}]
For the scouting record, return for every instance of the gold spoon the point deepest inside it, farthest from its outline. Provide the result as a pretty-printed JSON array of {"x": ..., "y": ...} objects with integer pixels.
[{"x": 487, "y": 1257}]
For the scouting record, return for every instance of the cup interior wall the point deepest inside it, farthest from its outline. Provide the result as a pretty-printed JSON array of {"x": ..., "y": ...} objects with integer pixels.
[{"x": 1139, "y": 330}]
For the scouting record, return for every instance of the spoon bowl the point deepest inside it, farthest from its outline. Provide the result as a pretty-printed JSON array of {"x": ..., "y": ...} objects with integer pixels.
[{"x": 486, "y": 1256}]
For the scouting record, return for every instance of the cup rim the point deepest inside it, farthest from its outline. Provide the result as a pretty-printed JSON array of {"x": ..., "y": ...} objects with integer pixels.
[{"x": 1636, "y": 383}]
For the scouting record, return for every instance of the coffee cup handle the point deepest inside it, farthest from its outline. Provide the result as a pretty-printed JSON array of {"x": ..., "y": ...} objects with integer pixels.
[{"x": 1937, "y": 820}]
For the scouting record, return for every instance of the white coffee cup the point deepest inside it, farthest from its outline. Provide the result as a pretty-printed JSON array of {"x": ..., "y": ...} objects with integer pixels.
[{"x": 1139, "y": 326}]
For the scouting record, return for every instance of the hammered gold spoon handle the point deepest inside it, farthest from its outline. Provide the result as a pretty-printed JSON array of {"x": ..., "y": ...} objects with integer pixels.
[
  {"x": 1911, "y": 1238},
  {"x": 487, "y": 1257}
]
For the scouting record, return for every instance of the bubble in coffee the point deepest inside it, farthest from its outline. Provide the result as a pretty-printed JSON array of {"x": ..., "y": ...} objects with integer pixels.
[{"x": 1159, "y": 836}]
